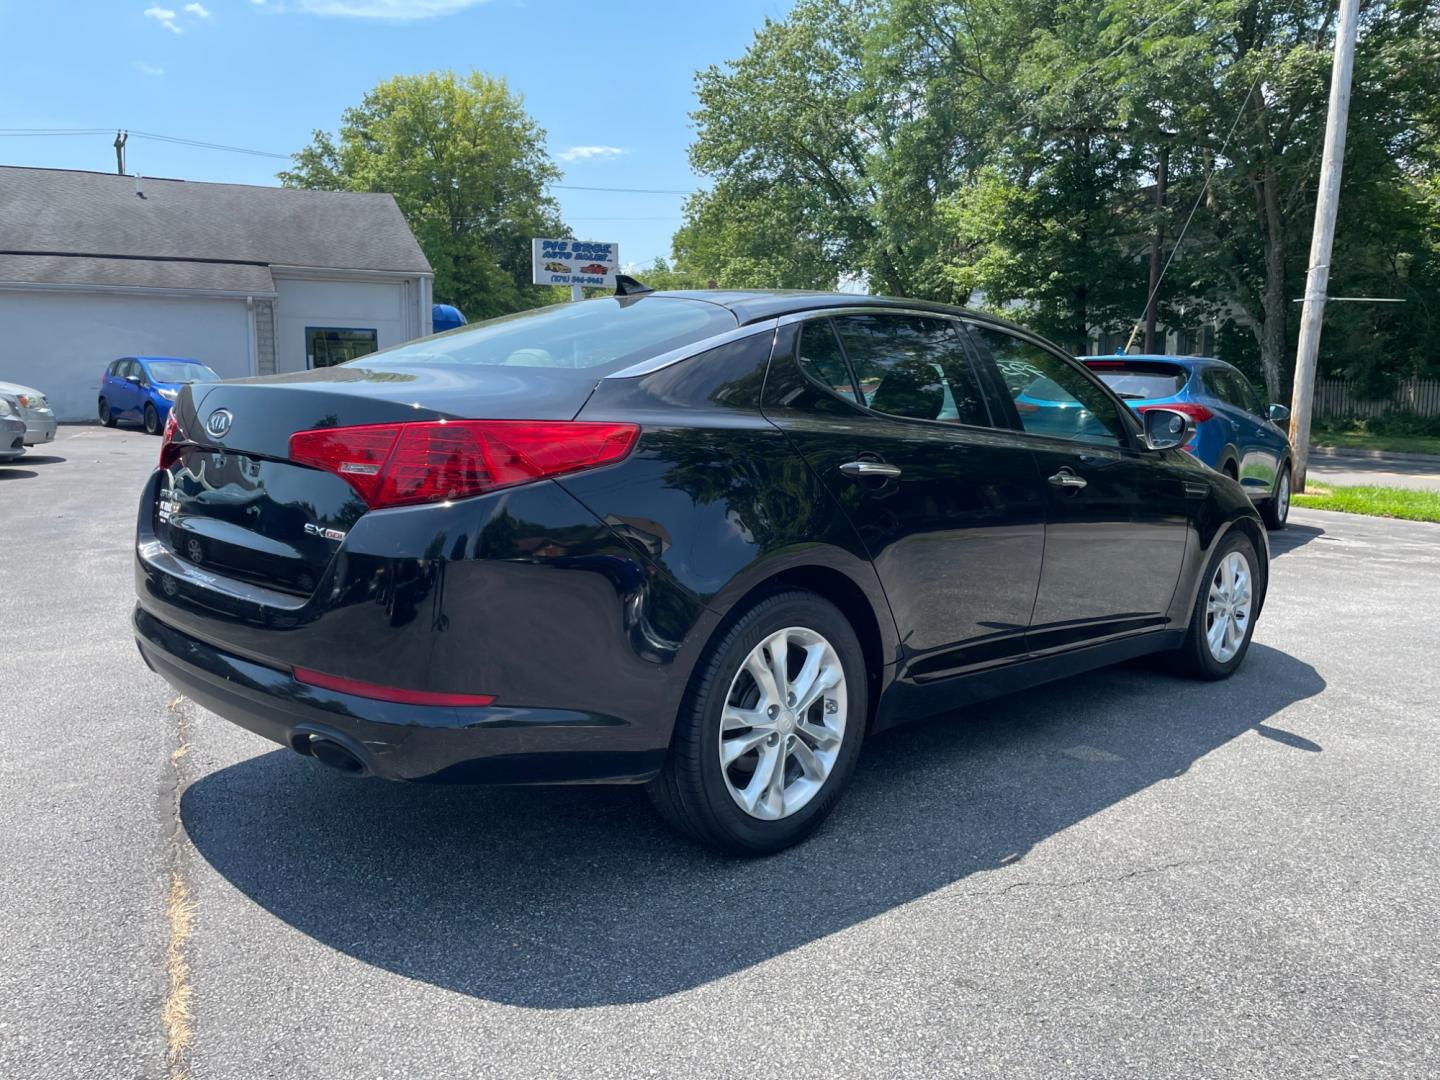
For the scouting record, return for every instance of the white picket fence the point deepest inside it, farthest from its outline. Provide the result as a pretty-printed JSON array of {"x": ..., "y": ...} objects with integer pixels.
[{"x": 1338, "y": 399}]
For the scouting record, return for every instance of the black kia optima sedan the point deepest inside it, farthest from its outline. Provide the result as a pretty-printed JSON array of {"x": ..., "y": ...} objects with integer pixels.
[{"x": 704, "y": 541}]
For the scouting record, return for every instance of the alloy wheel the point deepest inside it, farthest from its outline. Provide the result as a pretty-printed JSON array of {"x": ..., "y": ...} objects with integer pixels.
[
  {"x": 783, "y": 723},
  {"x": 1282, "y": 497},
  {"x": 1227, "y": 608}
]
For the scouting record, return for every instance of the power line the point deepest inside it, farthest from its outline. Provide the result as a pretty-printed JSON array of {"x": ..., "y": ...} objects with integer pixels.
[
  {"x": 206, "y": 145},
  {"x": 153, "y": 136},
  {"x": 1198, "y": 200},
  {"x": 202, "y": 145},
  {"x": 625, "y": 190},
  {"x": 666, "y": 217},
  {"x": 22, "y": 132}
]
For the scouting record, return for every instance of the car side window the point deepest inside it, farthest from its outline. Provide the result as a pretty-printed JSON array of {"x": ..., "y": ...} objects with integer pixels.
[
  {"x": 1052, "y": 397},
  {"x": 1228, "y": 388},
  {"x": 1250, "y": 401},
  {"x": 914, "y": 367},
  {"x": 822, "y": 359}
]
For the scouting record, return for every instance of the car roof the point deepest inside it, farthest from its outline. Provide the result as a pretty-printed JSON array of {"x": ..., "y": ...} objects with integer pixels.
[
  {"x": 754, "y": 305},
  {"x": 165, "y": 359}
]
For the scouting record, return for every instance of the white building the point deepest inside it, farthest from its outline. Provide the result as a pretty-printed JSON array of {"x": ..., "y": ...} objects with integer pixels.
[{"x": 249, "y": 280}]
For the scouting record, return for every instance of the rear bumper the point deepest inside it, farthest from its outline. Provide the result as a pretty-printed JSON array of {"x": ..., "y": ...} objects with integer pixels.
[
  {"x": 40, "y": 429},
  {"x": 399, "y": 742},
  {"x": 12, "y": 438}
]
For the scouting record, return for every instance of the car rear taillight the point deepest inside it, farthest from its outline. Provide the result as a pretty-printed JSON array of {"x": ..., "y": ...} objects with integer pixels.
[
  {"x": 170, "y": 444},
  {"x": 1198, "y": 413},
  {"x": 438, "y": 460}
]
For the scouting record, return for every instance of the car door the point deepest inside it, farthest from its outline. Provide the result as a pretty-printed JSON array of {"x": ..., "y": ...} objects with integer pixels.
[
  {"x": 107, "y": 382},
  {"x": 1258, "y": 443},
  {"x": 1117, "y": 516},
  {"x": 886, "y": 409},
  {"x": 125, "y": 392}
]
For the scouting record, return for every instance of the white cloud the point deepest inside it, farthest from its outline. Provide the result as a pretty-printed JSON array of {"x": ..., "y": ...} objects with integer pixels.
[
  {"x": 588, "y": 153},
  {"x": 148, "y": 69},
  {"x": 165, "y": 17},
  {"x": 198, "y": 10},
  {"x": 399, "y": 10}
]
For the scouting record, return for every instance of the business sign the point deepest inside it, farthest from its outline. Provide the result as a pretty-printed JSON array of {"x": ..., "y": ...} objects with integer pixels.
[{"x": 575, "y": 262}]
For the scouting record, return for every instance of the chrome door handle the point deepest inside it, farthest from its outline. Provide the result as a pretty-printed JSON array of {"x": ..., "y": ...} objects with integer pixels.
[
  {"x": 1067, "y": 479},
  {"x": 861, "y": 470}
]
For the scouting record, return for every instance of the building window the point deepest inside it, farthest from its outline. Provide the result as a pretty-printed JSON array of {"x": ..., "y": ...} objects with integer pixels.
[{"x": 326, "y": 346}]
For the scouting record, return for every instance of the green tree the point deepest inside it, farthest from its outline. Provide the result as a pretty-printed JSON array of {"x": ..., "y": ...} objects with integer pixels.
[
  {"x": 661, "y": 275},
  {"x": 468, "y": 168},
  {"x": 1005, "y": 151}
]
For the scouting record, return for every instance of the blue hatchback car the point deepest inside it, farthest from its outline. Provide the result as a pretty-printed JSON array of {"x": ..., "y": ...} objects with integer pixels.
[
  {"x": 1234, "y": 432},
  {"x": 142, "y": 388}
]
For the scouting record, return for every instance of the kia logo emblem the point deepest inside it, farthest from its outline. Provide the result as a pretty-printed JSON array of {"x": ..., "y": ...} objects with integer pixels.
[{"x": 219, "y": 423}]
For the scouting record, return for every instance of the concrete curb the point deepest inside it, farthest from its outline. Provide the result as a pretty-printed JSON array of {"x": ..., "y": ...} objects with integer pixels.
[{"x": 1375, "y": 455}]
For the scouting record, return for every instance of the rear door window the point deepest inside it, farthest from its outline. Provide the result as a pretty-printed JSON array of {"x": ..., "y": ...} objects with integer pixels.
[
  {"x": 822, "y": 359},
  {"x": 1052, "y": 396},
  {"x": 1232, "y": 389},
  {"x": 913, "y": 367}
]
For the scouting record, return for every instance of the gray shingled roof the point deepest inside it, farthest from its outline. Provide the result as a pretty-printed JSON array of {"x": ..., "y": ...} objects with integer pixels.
[{"x": 99, "y": 216}]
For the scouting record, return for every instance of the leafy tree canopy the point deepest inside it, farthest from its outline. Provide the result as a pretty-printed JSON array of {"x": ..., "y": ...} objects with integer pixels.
[
  {"x": 1006, "y": 153},
  {"x": 469, "y": 169}
]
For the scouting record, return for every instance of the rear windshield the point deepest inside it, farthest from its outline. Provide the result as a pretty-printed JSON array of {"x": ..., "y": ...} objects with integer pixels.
[
  {"x": 1137, "y": 382},
  {"x": 173, "y": 371},
  {"x": 598, "y": 336}
]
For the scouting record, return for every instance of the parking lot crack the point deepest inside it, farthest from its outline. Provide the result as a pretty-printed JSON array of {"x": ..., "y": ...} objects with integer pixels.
[{"x": 1078, "y": 883}]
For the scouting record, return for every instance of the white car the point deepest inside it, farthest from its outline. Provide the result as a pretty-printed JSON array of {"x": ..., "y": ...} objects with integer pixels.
[{"x": 31, "y": 406}]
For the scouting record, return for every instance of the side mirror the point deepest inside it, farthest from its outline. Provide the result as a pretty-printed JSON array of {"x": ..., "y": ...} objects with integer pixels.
[
  {"x": 1165, "y": 429},
  {"x": 1276, "y": 414},
  {"x": 133, "y": 379}
]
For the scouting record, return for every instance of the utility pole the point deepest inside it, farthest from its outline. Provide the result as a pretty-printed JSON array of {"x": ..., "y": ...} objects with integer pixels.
[
  {"x": 1323, "y": 238},
  {"x": 1155, "y": 244},
  {"x": 121, "y": 138}
]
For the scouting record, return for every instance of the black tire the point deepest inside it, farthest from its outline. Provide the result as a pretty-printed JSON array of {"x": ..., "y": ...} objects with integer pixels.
[
  {"x": 692, "y": 793},
  {"x": 152, "y": 420},
  {"x": 1276, "y": 509},
  {"x": 106, "y": 416},
  {"x": 1194, "y": 658}
]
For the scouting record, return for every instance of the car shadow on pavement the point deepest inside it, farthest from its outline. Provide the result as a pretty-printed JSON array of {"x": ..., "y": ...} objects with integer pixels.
[
  {"x": 572, "y": 897},
  {"x": 1291, "y": 537},
  {"x": 9, "y": 472},
  {"x": 44, "y": 459}
]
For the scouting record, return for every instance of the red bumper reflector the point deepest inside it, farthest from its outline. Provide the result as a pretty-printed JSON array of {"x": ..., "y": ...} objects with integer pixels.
[{"x": 390, "y": 693}]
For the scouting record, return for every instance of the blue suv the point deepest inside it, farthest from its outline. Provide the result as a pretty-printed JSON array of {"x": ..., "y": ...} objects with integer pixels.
[
  {"x": 1234, "y": 432},
  {"x": 142, "y": 388}
]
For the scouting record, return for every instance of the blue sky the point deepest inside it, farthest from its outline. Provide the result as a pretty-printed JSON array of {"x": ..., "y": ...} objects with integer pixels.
[{"x": 613, "y": 76}]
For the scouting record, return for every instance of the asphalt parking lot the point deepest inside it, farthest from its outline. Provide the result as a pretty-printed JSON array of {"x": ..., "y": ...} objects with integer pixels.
[{"x": 1120, "y": 875}]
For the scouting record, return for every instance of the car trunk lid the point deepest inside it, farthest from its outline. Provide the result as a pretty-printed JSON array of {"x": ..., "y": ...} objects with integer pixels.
[{"x": 234, "y": 503}]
